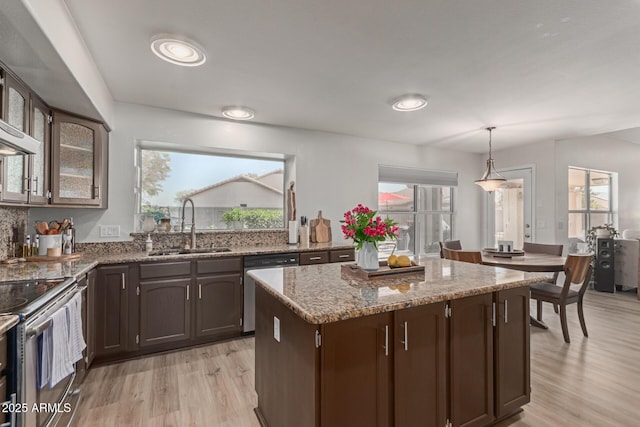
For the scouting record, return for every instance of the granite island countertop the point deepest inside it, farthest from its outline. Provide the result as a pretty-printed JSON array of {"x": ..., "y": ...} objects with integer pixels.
[
  {"x": 322, "y": 293},
  {"x": 79, "y": 267}
]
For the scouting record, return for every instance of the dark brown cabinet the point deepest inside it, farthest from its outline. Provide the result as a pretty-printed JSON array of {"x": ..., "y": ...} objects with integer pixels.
[
  {"x": 356, "y": 372},
  {"x": 70, "y": 166},
  {"x": 90, "y": 323},
  {"x": 158, "y": 306},
  {"x": 40, "y": 129},
  {"x": 512, "y": 351},
  {"x": 323, "y": 257},
  {"x": 78, "y": 161},
  {"x": 87, "y": 285},
  {"x": 463, "y": 362},
  {"x": 471, "y": 360},
  {"x": 15, "y": 111},
  {"x": 165, "y": 311},
  {"x": 420, "y": 366},
  {"x": 111, "y": 310},
  {"x": 219, "y": 305}
]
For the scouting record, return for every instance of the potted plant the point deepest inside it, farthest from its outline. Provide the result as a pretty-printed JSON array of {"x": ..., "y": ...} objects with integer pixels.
[
  {"x": 234, "y": 218},
  {"x": 366, "y": 229},
  {"x": 600, "y": 231}
]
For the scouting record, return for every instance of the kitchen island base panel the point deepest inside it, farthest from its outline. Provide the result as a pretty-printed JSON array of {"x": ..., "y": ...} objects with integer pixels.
[
  {"x": 287, "y": 377},
  {"x": 350, "y": 378}
]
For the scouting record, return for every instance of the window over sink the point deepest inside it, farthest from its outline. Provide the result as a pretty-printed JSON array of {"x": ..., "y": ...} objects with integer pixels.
[{"x": 225, "y": 189}]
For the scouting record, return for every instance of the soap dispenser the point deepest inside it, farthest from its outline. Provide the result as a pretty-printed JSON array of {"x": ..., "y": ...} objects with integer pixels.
[{"x": 148, "y": 244}]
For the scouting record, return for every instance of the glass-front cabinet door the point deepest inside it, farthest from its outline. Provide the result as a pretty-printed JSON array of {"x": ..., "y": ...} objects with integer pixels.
[
  {"x": 15, "y": 111},
  {"x": 76, "y": 160},
  {"x": 39, "y": 167}
]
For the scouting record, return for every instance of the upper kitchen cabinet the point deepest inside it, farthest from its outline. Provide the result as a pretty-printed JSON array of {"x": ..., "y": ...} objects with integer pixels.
[
  {"x": 15, "y": 111},
  {"x": 78, "y": 161},
  {"x": 40, "y": 125}
]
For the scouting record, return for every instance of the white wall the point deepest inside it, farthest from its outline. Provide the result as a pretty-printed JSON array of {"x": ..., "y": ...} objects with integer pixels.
[
  {"x": 552, "y": 160},
  {"x": 333, "y": 172}
]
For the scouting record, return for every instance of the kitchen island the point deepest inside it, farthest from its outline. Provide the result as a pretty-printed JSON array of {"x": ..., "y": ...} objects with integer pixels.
[{"x": 450, "y": 345}]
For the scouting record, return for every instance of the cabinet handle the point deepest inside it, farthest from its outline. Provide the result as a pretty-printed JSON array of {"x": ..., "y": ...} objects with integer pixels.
[
  {"x": 493, "y": 314},
  {"x": 386, "y": 340},
  {"x": 188, "y": 292},
  {"x": 405, "y": 326},
  {"x": 506, "y": 311},
  {"x": 26, "y": 188},
  {"x": 344, "y": 256},
  {"x": 199, "y": 290},
  {"x": 34, "y": 190},
  {"x": 315, "y": 258},
  {"x": 124, "y": 283}
]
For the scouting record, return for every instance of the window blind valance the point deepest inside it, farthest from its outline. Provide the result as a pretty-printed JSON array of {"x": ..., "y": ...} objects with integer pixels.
[{"x": 406, "y": 175}]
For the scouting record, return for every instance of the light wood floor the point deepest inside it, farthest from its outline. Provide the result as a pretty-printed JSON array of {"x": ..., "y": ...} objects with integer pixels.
[{"x": 593, "y": 381}]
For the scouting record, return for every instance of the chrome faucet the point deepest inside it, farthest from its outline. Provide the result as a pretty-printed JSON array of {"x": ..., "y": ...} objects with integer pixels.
[{"x": 193, "y": 221}]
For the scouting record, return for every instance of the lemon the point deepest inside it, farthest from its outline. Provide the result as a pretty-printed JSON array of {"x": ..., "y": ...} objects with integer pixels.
[
  {"x": 392, "y": 261},
  {"x": 404, "y": 288},
  {"x": 404, "y": 261}
]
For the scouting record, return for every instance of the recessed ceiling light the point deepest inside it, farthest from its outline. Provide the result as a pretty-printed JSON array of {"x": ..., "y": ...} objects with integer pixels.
[
  {"x": 238, "y": 113},
  {"x": 178, "y": 50},
  {"x": 410, "y": 102}
]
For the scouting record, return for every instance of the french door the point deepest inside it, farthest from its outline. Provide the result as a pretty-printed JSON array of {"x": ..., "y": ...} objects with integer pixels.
[{"x": 510, "y": 208}]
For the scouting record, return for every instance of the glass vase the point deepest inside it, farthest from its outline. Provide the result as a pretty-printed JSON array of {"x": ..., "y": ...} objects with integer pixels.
[{"x": 368, "y": 257}]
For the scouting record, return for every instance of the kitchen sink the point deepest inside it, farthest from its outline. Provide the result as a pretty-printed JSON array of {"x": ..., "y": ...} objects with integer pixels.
[{"x": 188, "y": 251}]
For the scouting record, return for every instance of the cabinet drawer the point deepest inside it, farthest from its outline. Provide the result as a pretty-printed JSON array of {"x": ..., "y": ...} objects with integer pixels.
[
  {"x": 165, "y": 269},
  {"x": 219, "y": 265},
  {"x": 307, "y": 258},
  {"x": 342, "y": 255},
  {"x": 3, "y": 355}
]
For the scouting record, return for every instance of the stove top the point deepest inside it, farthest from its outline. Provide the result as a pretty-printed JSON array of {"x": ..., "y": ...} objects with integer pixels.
[{"x": 26, "y": 296}]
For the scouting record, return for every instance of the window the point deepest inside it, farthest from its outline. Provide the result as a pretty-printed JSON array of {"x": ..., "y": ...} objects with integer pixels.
[
  {"x": 223, "y": 189},
  {"x": 423, "y": 211},
  {"x": 590, "y": 200}
]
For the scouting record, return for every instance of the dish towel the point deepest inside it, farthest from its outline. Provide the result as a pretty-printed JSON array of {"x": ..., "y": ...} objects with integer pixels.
[
  {"x": 45, "y": 343},
  {"x": 76, "y": 340},
  {"x": 61, "y": 366}
]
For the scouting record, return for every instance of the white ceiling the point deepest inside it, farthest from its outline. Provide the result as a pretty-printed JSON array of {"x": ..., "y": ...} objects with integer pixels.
[{"x": 537, "y": 70}]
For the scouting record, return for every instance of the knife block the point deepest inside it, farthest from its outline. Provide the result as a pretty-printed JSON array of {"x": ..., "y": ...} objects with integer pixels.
[{"x": 304, "y": 236}]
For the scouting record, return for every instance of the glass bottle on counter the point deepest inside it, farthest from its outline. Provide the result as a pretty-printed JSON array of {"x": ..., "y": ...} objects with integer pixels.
[
  {"x": 67, "y": 248},
  {"x": 26, "y": 246}
]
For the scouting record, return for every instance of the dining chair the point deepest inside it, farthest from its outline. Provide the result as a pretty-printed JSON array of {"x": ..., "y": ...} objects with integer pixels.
[
  {"x": 474, "y": 257},
  {"x": 545, "y": 248},
  {"x": 449, "y": 244},
  {"x": 577, "y": 270}
]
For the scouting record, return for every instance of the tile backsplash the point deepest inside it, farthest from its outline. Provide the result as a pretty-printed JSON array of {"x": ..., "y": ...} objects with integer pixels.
[{"x": 11, "y": 218}]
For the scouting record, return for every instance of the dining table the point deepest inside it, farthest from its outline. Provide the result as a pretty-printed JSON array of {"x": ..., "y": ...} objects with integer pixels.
[{"x": 527, "y": 261}]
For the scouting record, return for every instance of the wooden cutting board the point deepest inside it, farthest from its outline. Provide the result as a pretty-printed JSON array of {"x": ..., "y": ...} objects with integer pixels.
[
  {"x": 59, "y": 258},
  {"x": 320, "y": 229}
]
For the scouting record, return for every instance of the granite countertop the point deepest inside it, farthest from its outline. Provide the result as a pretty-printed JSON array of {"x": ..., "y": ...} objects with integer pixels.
[
  {"x": 79, "y": 267},
  {"x": 7, "y": 321},
  {"x": 323, "y": 293}
]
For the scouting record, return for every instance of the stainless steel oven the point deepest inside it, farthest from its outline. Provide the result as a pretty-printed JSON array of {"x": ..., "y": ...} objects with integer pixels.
[
  {"x": 36, "y": 406},
  {"x": 252, "y": 263}
]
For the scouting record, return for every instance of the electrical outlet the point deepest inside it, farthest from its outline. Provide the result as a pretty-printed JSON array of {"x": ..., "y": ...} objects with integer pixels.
[
  {"x": 109, "y": 231},
  {"x": 276, "y": 328}
]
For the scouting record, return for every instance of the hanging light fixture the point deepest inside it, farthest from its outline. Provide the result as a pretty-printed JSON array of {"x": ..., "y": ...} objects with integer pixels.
[{"x": 491, "y": 178}]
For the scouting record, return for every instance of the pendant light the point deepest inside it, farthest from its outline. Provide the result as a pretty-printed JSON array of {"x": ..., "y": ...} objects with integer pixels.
[{"x": 491, "y": 178}]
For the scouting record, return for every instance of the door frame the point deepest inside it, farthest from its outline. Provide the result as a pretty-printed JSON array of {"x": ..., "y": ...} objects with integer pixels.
[{"x": 489, "y": 205}]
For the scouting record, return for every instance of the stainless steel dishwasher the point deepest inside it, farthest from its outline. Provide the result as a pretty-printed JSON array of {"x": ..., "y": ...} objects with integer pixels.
[{"x": 255, "y": 262}]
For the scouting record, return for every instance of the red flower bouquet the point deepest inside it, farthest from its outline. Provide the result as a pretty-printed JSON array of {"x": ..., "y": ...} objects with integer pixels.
[{"x": 362, "y": 225}]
